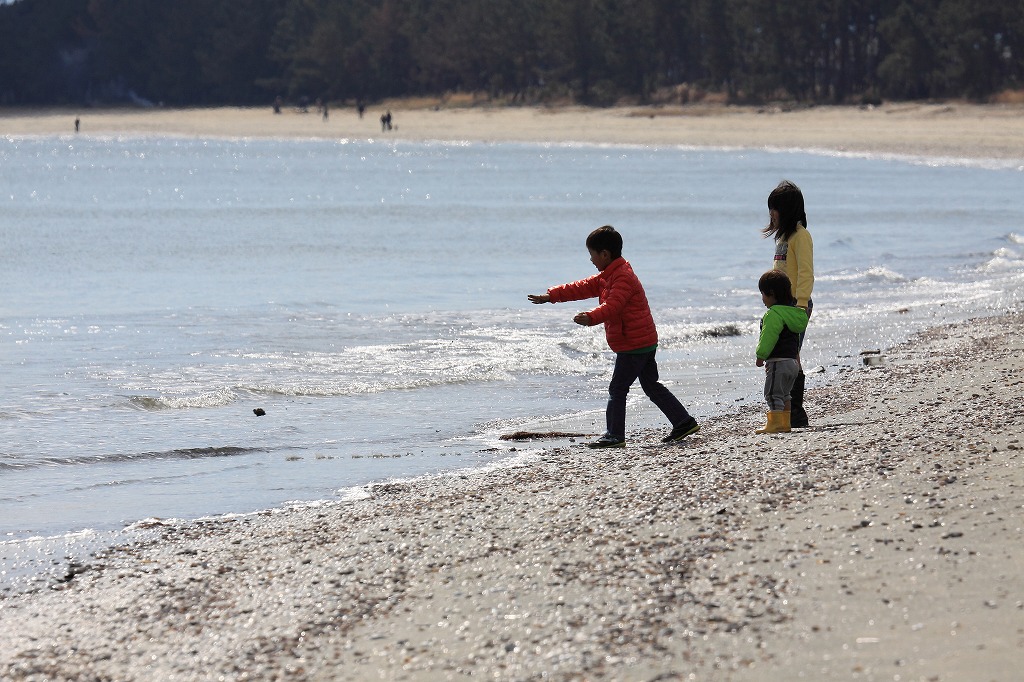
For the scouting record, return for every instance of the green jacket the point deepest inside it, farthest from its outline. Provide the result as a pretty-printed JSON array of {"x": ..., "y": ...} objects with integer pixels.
[{"x": 781, "y": 327}]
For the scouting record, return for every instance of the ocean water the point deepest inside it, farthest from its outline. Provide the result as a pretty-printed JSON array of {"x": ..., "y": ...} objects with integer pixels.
[{"x": 370, "y": 297}]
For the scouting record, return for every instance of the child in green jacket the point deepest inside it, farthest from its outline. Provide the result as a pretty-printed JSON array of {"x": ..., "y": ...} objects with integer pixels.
[{"x": 778, "y": 347}]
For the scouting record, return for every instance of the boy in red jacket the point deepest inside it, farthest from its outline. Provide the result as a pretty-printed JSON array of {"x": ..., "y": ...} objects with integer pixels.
[{"x": 630, "y": 331}]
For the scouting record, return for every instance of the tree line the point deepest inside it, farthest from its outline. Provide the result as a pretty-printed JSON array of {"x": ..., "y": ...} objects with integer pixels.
[{"x": 198, "y": 52}]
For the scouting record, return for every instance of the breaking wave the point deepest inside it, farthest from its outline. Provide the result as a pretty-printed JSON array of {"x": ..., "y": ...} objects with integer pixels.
[{"x": 178, "y": 453}]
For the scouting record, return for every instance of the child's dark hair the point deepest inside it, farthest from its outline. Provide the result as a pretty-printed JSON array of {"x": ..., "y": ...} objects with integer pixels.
[
  {"x": 776, "y": 283},
  {"x": 788, "y": 200},
  {"x": 605, "y": 239}
]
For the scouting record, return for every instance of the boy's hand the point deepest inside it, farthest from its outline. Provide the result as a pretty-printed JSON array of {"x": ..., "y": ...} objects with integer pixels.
[
  {"x": 582, "y": 318},
  {"x": 760, "y": 362},
  {"x": 539, "y": 298}
]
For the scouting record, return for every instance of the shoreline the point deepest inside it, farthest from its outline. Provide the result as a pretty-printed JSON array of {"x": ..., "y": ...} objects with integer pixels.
[
  {"x": 945, "y": 130},
  {"x": 884, "y": 541}
]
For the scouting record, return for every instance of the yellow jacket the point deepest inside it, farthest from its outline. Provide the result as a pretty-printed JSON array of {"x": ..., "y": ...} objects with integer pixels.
[{"x": 795, "y": 257}]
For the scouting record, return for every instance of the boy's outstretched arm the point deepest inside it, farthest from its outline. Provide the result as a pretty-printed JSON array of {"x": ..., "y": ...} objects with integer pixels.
[{"x": 539, "y": 298}]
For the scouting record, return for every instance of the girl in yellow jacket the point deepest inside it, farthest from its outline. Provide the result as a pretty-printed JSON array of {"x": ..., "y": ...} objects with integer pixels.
[{"x": 794, "y": 255}]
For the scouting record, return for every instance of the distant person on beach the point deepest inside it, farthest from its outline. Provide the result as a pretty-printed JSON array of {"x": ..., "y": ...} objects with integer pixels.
[
  {"x": 794, "y": 255},
  {"x": 77, "y": 122},
  {"x": 385, "y": 121},
  {"x": 778, "y": 348},
  {"x": 361, "y": 108},
  {"x": 630, "y": 331},
  {"x": 326, "y": 114}
]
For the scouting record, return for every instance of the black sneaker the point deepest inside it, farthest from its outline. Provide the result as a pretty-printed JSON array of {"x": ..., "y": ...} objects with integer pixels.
[
  {"x": 682, "y": 431},
  {"x": 607, "y": 441}
]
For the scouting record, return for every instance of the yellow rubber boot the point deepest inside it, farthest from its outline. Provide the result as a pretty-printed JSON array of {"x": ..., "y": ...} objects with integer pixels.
[
  {"x": 778, "y": 422},
  {"x": 770, "y": 424}
]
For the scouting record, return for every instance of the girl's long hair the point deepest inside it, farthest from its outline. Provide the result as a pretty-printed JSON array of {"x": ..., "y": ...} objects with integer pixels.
[{"x": 788, "y": 200}]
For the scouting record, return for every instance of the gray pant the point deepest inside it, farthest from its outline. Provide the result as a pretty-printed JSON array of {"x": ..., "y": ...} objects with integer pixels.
[{"x": 780, "y": 373}]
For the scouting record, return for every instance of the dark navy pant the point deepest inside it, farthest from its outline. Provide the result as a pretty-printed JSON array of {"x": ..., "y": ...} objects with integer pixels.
[{"x": 628, "y": 368}]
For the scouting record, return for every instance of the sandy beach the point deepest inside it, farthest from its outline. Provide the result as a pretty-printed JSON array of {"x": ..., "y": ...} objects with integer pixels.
[
  {"x": 884, "y": 543},
  {"x": 941, "y": 130}
]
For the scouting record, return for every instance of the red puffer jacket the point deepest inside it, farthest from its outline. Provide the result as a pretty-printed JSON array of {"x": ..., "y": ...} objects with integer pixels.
[{"x": 628, "y": 323}]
